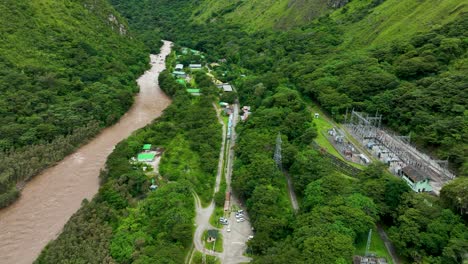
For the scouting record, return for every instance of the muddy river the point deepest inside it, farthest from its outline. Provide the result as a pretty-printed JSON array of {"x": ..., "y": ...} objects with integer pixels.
[{"x": 48, "y": 201}]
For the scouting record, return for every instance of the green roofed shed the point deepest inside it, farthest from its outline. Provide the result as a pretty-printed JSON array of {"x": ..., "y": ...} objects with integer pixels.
[
  {"x": 142, "y": 157},
  {"x": 181, "y": 81},
  {"x": 147, "y": 147},
  {"x": 193, "y": 90}
]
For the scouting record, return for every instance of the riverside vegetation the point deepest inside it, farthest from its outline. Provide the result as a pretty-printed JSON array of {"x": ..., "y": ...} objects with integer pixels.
[
  {"x": 62, "y": 79},
  {"x": 352, "y": 57},
  {"x": 277, "y": 72},
  {"x": 128, "y": 223}
]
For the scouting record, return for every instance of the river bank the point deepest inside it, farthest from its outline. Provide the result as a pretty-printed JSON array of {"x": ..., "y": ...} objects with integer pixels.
[{"x": 48, "y": 200}]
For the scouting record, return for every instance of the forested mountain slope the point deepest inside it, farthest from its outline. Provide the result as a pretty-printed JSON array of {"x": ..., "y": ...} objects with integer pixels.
[
  {"x": 404, "y": 59},
  {"x": 66, "y": 67}
]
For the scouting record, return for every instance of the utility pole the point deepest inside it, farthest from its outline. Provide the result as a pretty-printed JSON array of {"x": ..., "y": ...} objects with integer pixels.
[{"x": 277, "y": 156}]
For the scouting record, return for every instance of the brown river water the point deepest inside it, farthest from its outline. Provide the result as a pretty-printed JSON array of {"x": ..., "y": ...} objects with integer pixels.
[{"x": 49, "y": 199}]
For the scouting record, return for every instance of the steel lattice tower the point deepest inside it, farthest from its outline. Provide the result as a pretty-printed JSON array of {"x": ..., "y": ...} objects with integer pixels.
[{"x": 277, "y": 156}]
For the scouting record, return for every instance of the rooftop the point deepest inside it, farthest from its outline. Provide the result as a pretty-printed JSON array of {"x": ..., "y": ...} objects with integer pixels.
[
  {"x": 146, "y": 157},
  {"x": 414, "y": 174},
  {"x": 225, "y": 86},
  {"x": 146, "y": 146},
  {"x": 213, "y": 233}
]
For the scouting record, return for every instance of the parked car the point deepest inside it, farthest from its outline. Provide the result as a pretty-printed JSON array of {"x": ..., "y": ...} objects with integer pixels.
[{"x": 240, "y": 220}]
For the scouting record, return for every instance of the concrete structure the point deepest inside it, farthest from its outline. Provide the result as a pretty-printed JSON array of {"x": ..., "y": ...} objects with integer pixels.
[
  {"x": 195, "y": 66},
  {"x": 246, "y": 110},
  {"x": 179, "y": 67},
  {"x": 369, "y": 260},
  {"x": 398, "y": 153},
  {"x": 415, "y": 179},
  {"x": 225, "y": 86},
  {"x": 179, "y": 74}
]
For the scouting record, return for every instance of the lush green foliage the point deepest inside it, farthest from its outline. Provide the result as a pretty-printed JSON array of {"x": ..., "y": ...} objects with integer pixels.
[
  {"x": 401, "y": 79},
  {"x": 125, "y": 222},
  {"x": 61, "y": 79}
]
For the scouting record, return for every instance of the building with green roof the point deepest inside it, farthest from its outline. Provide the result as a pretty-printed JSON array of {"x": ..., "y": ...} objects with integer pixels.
[
  {"x": 147, "y": 147},
  {"x": 146, "y": 157},
  {"x": 194, "y": 91}
]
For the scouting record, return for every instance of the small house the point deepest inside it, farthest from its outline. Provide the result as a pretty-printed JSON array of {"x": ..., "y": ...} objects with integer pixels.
[
  {"x": 364, "y": 158},
  {"x": 212, "y": 235},
  {"x": 415, "y": 179},
  {"x": 146, "y": 147},
  {"x": 179, "y": 67},
  {"x": 146, "y": 157},
  {"x": 225, "y": 86},
  {"x": 195, "y": 66},
  {"x": 179, "y": 74}
]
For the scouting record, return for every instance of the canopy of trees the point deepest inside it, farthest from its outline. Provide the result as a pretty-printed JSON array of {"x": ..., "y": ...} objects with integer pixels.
[
  {"x": 61, "y": 79},
  {"x": 126, "y": 222}
]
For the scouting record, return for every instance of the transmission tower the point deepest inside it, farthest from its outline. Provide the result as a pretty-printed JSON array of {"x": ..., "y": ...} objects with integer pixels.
[{"x": 277, "y": 156}]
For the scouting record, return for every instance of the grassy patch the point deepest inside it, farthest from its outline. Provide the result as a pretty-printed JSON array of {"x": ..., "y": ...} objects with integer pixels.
[
  {"x": 214, "y": 218},
  {"x": 198, "y": 259},
  {"x": 396, "y": 20},
  {"x": 377, "y": 246},
  {"x": 323, "y": 124},
  {"x": 180, "y": 162}
]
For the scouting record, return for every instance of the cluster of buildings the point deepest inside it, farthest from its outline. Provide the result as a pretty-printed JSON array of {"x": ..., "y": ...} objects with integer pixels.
[
  {"x": 418, "y": 170},
  {"x": 346, "y": 148},
  {"x": 184, "y": 78},
  {"x": 151, "y": 157}
]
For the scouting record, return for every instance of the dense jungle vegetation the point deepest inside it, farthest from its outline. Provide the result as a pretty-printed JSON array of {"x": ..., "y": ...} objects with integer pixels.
[
  {"x": 128, "y": 223},
  {"x": 67, "y": 69},
  {"x": 416, "y": 78}
]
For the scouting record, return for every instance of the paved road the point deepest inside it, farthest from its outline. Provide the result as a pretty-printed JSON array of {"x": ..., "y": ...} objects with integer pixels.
[
  {"x": 231, "y": 144},
  {"x": 388, "y": 244},
  {"x": 234, "y": 242},
  {"x": 292, "y": 193},
  {"x": 202, "y": 219}
]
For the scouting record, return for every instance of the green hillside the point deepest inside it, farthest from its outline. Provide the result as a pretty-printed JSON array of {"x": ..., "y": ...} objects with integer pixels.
[
  {"x": 369, "y": 23},
  {"x": 415, "y": 76},
  {"x": 261, "y": 14},
  {"x": 67, "y": 68}
]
